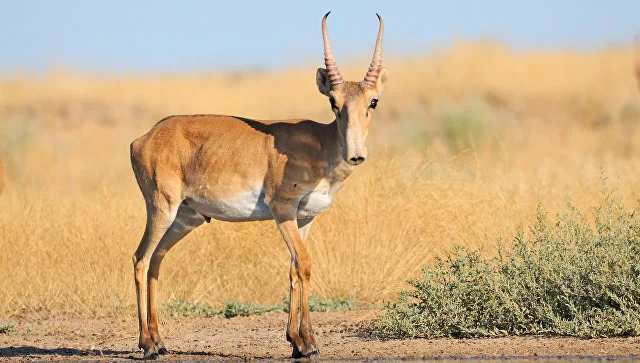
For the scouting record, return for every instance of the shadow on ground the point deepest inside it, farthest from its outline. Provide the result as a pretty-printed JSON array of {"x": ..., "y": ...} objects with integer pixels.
[
  {"x": 35, "y": 352},
  {"x": 25, "y": 351}
]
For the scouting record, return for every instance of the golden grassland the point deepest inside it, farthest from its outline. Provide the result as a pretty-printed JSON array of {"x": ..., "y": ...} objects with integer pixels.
[{"x": 463, "y": 147}]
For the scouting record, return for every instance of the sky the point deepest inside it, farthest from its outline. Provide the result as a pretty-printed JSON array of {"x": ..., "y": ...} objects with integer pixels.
[{"x": 196, "y": 35}]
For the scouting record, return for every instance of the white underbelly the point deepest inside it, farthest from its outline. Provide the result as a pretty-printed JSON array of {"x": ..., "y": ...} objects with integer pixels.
[
  {"x": 315, "y": 203},
  {"x": 248, "y": 206}
]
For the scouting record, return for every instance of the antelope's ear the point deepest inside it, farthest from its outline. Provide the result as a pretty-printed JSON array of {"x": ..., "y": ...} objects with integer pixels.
[
  {"x": 323, "y": 82},
  {"x": 381, "y": 82}
]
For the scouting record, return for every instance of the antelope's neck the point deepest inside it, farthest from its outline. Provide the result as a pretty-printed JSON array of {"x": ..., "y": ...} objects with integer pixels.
[
  {"x": 337, "y": 168},
  {"x": 318, "y": 195}
]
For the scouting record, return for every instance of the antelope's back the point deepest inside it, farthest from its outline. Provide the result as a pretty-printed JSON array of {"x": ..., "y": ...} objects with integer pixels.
[{"x": 220, "y": 152}]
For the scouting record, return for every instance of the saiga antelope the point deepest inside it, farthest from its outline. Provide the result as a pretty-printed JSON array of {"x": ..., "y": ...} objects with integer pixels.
[{"x": 194, "y": 168}]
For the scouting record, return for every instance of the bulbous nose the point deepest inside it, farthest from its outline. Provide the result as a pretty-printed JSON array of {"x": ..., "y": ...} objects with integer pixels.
[{"x": 356, "y": 160}]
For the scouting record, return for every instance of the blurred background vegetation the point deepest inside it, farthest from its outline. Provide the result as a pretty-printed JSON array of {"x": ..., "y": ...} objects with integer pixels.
[{"x": 469, "y": 139}]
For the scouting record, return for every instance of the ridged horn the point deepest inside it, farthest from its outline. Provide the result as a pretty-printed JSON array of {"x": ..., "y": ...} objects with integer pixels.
[
  {"x": 376, "y": 63},
  {"x": 329, "y": 62}
]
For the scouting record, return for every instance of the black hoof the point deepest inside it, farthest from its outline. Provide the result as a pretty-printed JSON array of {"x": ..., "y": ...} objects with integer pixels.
[
  {"x": 298, "y": 354},
  {"x": 311, "y": 353},
  {"x": 163, "y": 351},
  {"x": 151, "y": 356}
]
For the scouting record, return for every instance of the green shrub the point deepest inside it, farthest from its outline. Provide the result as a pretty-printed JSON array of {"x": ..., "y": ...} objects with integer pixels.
[{"x": 571, "y": 277}]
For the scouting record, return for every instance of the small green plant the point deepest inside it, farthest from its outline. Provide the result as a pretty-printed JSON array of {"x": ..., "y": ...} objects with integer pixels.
[
  {"x": 572, "y": 277},
  {"x": 184, "y": 308},
  {"x": 232, "y": 308},
  {"x": 318, "y": 303},
  {"x": 8, "y": 328}
]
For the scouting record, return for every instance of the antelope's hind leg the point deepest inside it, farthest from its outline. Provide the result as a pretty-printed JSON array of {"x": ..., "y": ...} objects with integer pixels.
[
  {"x": 167, "y": 223},
  {"x": 160, "y": 215},
  {"x": 186, "y": 220}
]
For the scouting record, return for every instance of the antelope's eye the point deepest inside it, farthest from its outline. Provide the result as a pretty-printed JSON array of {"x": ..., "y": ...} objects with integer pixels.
[
  {"x": 374, "y": 103},
  {"x": 333, "y": 102}
]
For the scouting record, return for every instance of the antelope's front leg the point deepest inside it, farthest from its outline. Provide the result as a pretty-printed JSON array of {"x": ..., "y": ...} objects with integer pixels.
[
  {"x": 303, "y": 342},
  {"x": 293, "y": 336}
]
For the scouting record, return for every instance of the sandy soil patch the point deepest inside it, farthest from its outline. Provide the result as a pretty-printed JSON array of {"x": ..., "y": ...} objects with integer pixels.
[{"x": 262, "y": 337}]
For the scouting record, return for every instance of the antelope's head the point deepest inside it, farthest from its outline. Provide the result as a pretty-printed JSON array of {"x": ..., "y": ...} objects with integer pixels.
[{"x": 352, "y": 102}]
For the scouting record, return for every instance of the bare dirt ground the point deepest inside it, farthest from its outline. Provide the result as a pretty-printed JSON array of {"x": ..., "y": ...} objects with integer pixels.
[{"x": 262, "y": 337}]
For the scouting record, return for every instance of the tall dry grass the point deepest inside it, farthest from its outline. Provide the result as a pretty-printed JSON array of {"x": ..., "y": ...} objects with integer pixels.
[{"x": 464, "y": 146}]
